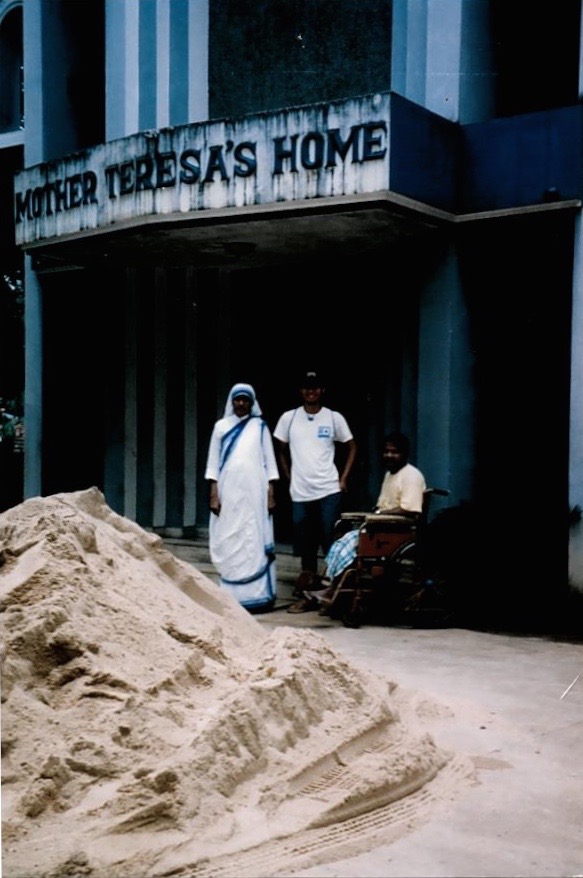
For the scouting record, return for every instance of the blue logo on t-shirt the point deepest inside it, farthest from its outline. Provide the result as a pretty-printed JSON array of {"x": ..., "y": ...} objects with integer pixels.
[{"x": 324, "y": 432}]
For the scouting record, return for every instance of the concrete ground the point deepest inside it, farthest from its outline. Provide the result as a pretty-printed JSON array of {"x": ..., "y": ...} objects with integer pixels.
[{"x": 512, "y": 703}]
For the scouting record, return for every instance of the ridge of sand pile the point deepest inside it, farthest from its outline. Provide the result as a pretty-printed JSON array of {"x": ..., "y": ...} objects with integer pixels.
[{"x": 151, "y": 725}]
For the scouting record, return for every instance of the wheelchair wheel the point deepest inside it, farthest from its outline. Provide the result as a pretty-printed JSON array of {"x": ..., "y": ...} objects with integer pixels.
[
  {"x": 416, "y": 596},
  {"x": 347, "y": 604},
  {"x": 353, "y": 617},
  {"x": 397, "y": 585},
  {"x": 405, "y": 568},
  {"x": 431, "y": 606},
  {"x": 354, "y": 609}
]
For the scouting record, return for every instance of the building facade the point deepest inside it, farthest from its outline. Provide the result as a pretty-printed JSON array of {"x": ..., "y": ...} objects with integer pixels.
[{"x": 198, "y": 192}]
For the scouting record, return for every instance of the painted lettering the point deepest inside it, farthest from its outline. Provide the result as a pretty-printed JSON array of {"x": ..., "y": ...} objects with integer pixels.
[
  {"x": 37, "y": 202},
  {"x": 371, "y": 146},
  {"x": 75, "y": 191},
  {"x": 165, "y": 169},
  {"x": 312, "y": 150},
  {"x": 144, "y": 171},
  {"x": 280, "y": 153},
  {"x": 22, "y": 205},
  {"x": 215, "y": 163},
  {"x": 190, "y": 164},
  {"x": 246, "y": 159},
  {"x": 126, "y": 178},
  {"x": 364, "y": 141},
  {"x": 339, "y": 147},
  {"x": 110, "y": 173},
  {"x": 89, "y": 187},
  {"x": 56, "y": 196}
]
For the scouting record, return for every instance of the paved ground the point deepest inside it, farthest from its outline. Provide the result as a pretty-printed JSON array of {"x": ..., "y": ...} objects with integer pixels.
[{"x": 514, "y": 705}]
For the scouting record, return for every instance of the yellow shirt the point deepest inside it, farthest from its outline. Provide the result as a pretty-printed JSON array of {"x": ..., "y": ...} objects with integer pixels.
[{"x": 403, "y": 489}]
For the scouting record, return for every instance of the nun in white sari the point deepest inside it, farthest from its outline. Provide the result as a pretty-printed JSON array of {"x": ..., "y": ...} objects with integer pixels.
[{"x": 241, "y": 468}]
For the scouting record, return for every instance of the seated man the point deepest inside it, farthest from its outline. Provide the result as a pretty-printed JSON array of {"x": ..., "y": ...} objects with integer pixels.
[{"x": 401, "y": 493}]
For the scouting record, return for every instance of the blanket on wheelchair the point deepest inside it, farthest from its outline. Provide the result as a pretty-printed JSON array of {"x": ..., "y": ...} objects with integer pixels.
[{"x": 341, "y": 553}]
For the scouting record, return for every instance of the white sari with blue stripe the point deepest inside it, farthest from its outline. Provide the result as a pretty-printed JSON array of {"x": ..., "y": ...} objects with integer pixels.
[{"x": 242, "y": 462}]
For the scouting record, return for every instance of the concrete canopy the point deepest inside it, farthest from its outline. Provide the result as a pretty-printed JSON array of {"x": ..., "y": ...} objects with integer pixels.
[{"x": 249, "y": 238}]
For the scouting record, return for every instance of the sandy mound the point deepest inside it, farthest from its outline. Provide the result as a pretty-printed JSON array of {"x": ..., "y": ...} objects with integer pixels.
[{"x": 151, "y": 727}]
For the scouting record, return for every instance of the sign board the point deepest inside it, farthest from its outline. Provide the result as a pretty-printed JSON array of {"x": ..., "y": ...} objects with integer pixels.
[{"x": 309, "y": 152}]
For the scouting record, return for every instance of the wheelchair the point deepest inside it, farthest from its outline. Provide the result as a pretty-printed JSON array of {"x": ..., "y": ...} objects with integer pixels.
[{"x": 392, "y": 579}]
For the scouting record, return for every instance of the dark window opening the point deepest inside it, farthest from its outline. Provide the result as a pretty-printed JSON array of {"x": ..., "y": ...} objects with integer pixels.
[
  {"x": 85, "y": 38},
  {"x": 537, "y": 55},
  {"x": 11, "y": 72}
]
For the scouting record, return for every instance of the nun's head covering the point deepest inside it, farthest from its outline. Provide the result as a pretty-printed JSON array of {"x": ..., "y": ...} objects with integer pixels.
[{"x": 242, "y": 390}]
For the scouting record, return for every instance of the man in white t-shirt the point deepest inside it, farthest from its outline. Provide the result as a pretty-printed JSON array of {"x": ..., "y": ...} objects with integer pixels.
[{"x": 306, "y": 440}]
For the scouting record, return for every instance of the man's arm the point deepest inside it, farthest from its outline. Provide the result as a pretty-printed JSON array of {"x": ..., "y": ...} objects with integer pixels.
[
  {"x": 350, "y": 458},
  {"x": 283, "y": 458}
]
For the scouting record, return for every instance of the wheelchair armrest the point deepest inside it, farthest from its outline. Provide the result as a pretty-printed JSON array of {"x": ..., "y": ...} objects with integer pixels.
[{"x": 390, "y": 523}]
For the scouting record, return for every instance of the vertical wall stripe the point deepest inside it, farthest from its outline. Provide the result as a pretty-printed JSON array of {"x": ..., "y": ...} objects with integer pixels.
[
  {"x": 160, "y": 393},
  {"x": 477, "y": 75},
  {"x": 132, "y": 95},
  {"x": 115, "y": 60},
  {"x": 130, "y": 420},
  {"x": 148, "y": 56},
  {"x": 33, "y": 76},
  {"x": 121, "y": 72},
  {"x": 223, "y": 337},
  {"x": 581, "y": 56},
  {"x": 179, "y": 79},
  {"x": 198, "y": 54},
  {"x": 114, "y": 388},
  {"x": 190, "y": 395},
  {"x": 436, "y": 382},
  {"x": 399, "y": 48},
  {"x": 444, "y": 28},
  {"x": 402, "y": 411},
  {"x": 162, "y": 64},
  {"x": 416, "y": 50}
]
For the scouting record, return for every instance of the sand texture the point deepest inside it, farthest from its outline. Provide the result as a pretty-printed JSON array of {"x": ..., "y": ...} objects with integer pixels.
[{"x": 152, "y": 727}]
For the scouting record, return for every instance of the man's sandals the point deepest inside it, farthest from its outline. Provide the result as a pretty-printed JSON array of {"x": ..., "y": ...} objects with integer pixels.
[
  {"x": 304, "y": 605},
  {"x": 310, "y": 596}
]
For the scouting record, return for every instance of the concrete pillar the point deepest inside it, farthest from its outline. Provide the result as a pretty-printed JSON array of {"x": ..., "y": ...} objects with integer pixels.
[
  {"x": 445, "y": 439},
  {"x": 190, "y": 390},
  {"x": 442, "y": 58},
  {"x": 576, "y": 414},
  {"x": 160, "y": 393},
  {"x": 131, "y": 413},
  {"x": 33, "y": 396},
  {"x": 33, "y": 353}
]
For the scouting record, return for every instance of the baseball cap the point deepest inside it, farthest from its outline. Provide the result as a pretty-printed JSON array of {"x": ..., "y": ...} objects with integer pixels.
[{"x": 311, "y": 379}]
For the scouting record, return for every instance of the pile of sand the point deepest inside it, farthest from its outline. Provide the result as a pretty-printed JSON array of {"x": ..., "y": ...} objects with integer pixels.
[{"x": 151, "y": 727}]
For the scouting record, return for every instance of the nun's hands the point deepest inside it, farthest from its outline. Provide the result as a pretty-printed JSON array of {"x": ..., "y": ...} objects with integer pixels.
[{"x": 214, "y": 502}]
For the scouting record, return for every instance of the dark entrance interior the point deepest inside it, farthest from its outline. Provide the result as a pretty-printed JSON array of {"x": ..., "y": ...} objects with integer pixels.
[{"x": 333, "y": 317}]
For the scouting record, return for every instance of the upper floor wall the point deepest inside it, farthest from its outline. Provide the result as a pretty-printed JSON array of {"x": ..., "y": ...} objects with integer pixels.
[{"x": 103, "y": 69}]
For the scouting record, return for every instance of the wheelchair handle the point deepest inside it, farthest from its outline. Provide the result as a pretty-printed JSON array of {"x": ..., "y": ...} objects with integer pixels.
[{"x": 441, "y": 492}]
